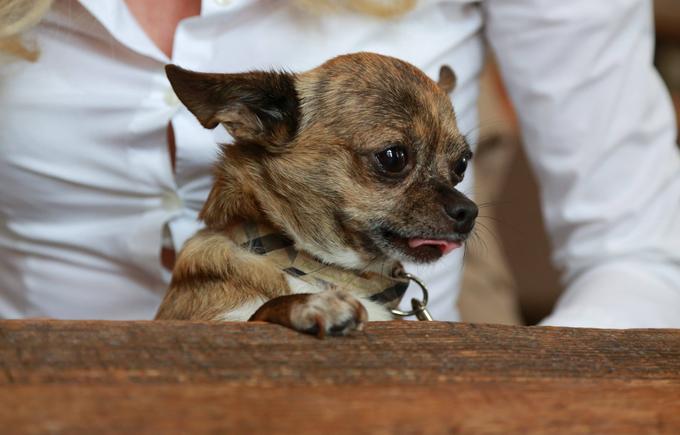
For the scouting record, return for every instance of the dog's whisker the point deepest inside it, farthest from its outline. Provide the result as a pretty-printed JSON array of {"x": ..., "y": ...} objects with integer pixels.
[
  {"x": 477, "y": 235},
  {"x": 489, "y": 217},
  {"x": 487, "y": 204}
]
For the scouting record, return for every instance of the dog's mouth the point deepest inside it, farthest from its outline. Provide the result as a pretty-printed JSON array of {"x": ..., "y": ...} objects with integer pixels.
[
  {"x": 445, "y": 246},
  {"x": 424, "y": 248}
]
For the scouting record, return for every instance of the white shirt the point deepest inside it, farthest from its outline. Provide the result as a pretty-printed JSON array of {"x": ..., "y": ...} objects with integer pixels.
[{"x": 87, "y": 189}]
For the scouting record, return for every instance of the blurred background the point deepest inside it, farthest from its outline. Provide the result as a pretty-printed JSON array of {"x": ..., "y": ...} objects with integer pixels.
[{"x": 499, "y": 287}]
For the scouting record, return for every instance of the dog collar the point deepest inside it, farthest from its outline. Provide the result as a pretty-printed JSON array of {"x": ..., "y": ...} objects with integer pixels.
[{"x": 386, "y": 289}]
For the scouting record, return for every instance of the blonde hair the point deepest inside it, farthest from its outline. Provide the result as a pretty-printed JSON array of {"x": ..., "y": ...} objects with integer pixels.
[
  {"x": 376, "y": 8},
  {"x": 17, "y": 16}
]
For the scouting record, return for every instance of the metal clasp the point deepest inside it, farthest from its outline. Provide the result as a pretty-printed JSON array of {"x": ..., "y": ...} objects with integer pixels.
[{"x": 419, "y": 306}]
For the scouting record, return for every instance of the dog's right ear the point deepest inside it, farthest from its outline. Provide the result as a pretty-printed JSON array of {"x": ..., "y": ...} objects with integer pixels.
[
  {"x": 447, "y": 79},
  {"x": 255, "y": 107}
]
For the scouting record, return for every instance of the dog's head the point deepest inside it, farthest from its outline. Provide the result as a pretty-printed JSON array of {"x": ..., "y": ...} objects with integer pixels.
[{"x": 356, "y": 160}]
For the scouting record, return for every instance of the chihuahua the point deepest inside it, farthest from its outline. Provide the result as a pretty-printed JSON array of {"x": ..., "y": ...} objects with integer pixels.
[{"x": 335, "y": 175}]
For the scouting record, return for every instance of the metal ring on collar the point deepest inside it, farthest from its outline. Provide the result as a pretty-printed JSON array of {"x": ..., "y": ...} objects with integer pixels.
[{"x": 426, "y": 295}]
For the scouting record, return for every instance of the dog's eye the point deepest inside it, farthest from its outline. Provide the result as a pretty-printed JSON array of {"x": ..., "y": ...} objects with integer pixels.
[
  {"x": 460, "y": 167},
  {"x": 393, "y": 159}
]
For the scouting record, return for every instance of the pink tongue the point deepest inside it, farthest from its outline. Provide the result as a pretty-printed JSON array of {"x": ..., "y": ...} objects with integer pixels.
[{"x": 445, "y": 246}]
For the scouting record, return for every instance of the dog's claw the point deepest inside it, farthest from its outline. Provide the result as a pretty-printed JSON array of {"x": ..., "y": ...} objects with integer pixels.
[
  {"x": 320, "y": 327},
  {"x": 342, "y": 328}
]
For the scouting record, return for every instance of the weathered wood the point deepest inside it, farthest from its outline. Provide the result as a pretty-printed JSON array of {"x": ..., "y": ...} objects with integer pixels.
[{"x": 395, "y": 377}]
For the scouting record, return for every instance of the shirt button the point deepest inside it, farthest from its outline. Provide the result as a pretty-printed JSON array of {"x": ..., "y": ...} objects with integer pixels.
[
  {"x": 172, "y": 201},
  {"x": 170, "y": 98}
]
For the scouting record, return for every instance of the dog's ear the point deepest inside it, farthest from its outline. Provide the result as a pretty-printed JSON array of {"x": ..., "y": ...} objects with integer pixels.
[
  {"x": 256, "y": 107},
  {"x": 447, "y": 79}
]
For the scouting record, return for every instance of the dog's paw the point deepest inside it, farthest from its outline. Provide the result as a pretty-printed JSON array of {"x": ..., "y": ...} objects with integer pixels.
[{"x": 331, "y": 312}]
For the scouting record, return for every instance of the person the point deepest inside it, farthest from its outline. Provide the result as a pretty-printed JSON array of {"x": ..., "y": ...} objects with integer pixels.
[{"x": 102, "y": 171}]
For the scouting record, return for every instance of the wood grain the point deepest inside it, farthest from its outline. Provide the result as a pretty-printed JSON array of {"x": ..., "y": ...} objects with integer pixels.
[{"x": 395, "y": 377}]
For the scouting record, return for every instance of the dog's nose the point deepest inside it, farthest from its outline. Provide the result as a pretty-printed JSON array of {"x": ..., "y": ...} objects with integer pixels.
[
  {"x": 458, "y": 207},
  {"x": 463, "y": 214}
]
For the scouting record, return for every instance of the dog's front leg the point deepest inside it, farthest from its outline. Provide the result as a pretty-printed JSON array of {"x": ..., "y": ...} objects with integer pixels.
[{"x": 332, "y": 312}]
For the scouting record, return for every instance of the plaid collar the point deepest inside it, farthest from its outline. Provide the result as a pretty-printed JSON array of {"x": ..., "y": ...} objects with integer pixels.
[{"x": 386, "y": 289}]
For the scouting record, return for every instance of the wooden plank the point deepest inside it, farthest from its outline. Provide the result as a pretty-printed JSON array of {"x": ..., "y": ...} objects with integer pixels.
[
  {"x": 395, "y": 377},
  {"x": 503, "y": 407}
]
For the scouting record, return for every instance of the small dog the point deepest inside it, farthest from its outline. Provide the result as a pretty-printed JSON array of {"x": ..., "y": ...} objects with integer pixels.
[{"x": 335, "y": 176}]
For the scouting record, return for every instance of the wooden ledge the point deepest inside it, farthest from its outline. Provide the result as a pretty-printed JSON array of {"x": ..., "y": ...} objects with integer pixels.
[{"x": 394, "y": 377}]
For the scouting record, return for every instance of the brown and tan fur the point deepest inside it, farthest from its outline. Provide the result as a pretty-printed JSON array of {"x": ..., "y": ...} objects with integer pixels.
[{"x": 304, "y": 162}]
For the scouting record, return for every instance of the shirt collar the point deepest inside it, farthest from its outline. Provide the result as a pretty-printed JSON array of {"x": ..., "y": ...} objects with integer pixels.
[
  {"x": 116, "y": 17},
  {"x": 119, "y": 21}
]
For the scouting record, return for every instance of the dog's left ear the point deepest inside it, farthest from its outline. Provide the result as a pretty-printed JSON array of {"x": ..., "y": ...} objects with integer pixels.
[
  {"x": 256, "y": 107},
  {"x": 447, "y": 79}
]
